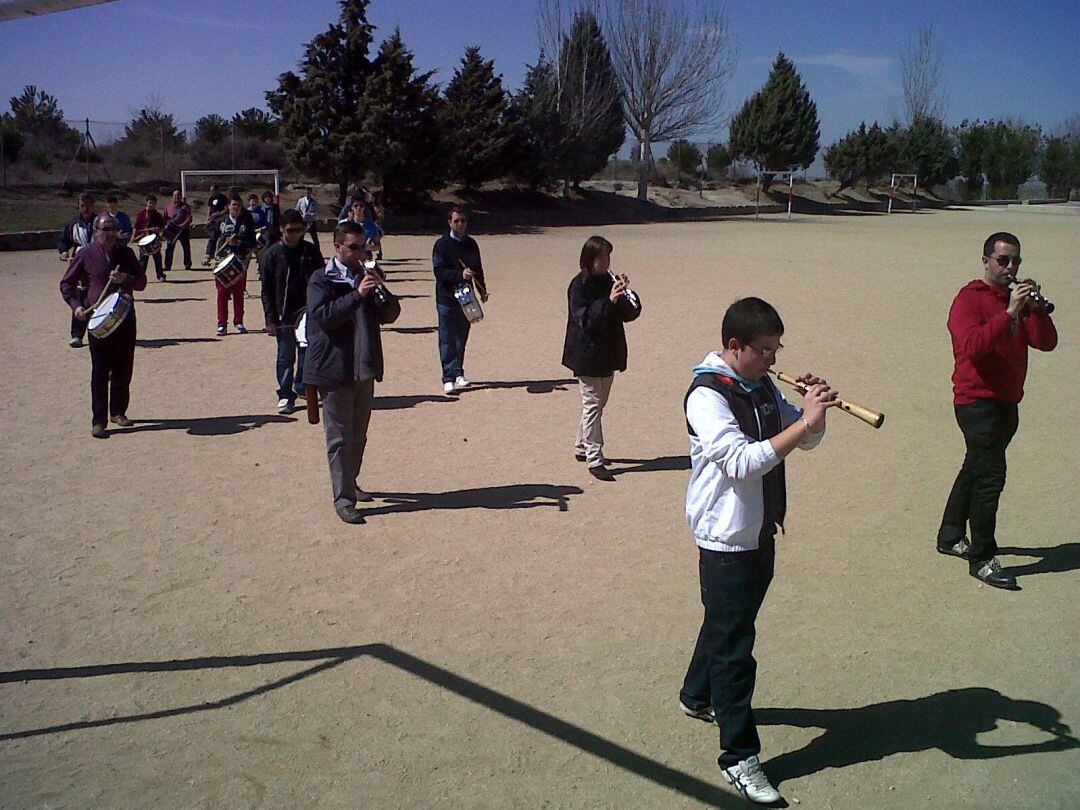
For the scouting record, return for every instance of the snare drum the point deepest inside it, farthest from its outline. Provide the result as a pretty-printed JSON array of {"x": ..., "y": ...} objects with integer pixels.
[
  {"x": 172, "y": 231},
  {"x": 109, "y": 314},
  {"x": 230, "y": 270},
  {"x": 470, "y": 304},
  {"x": 301, "y": 332},
  {"x": 149, "y": 244}
]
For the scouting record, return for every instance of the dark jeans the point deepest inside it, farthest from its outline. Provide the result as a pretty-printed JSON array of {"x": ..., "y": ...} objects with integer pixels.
[
  {"x": 313, "y": 232},
  {"x": 290, "y": 385},
  {"x": 185, "y": 242},
  {"x": 722, "y": 670},
  {"x": 453, "y": 335},
  {"x": 988, "y": 427},
  {"x": 78, "y": 326},
  {"x": 112, "y": 360},
  {"x": 145, "y": 260}
]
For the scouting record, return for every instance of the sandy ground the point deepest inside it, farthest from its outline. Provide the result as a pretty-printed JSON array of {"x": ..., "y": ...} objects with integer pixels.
[{"x": 188, "y": 624}]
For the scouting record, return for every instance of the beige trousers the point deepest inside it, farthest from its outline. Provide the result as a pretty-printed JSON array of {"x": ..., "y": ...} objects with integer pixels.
[{"x": 590, "y": 434}]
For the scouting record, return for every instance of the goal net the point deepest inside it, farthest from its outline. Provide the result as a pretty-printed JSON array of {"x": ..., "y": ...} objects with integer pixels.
[
  {"x": 230, "y": 178},
  {"x": 776, "y": 177},
  {"x": 898, "y": 181}
]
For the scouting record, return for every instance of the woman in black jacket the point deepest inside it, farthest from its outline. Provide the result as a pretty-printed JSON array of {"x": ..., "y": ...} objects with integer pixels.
[{"x": 595, "y": 348}]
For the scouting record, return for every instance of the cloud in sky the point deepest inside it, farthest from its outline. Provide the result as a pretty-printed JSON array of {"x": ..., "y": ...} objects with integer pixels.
[
  {"x": 203, "y": 20},
  {"x": 880, "y": 71}
]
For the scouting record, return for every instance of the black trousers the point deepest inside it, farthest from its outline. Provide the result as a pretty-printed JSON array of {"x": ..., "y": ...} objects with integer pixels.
[
  {"x": 313, "y": 232},
  {"x": 78, "y": 325},
  {"x": 988, "y": 427},
  {"x": 145, "y": 260},
  {"x": 112, "y": 360},
  {"x": 170, "y": 248},
  {"x": 723, "y": 671}
]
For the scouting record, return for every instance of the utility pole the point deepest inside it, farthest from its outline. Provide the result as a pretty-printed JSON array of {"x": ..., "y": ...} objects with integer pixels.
[{"x": 86, "y": 146}]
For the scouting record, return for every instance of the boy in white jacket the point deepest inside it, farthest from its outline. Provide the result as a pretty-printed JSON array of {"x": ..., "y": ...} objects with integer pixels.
[{"x": 741, "y": 429}]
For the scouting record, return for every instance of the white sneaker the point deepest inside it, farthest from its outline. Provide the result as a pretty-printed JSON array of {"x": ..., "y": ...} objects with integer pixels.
[
  {"x": 461, "y": 382},
  {"x": 748, "y": 778},
  {"x": 284, "y": 406},
  {"x": 448, "y": 388}
]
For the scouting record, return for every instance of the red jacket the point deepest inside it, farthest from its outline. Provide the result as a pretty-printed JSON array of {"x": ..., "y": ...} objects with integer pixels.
[{"x": 990, "y": 348}]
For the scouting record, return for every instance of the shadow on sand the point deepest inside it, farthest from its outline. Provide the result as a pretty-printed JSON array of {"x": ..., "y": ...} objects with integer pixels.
[
  {"x": 205, "y": 426},
  {"x": 511, "y": 496}
]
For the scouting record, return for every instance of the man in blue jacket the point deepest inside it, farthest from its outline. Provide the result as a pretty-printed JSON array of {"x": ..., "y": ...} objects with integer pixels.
[
  {"x": 346, "y": 306},
  {"x": 455, "y": 259}
]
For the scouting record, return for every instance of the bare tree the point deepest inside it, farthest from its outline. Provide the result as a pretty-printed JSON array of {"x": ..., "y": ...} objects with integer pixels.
[
  {"x": 673, "y": 59},
  {"x": 920, "y": 74}
]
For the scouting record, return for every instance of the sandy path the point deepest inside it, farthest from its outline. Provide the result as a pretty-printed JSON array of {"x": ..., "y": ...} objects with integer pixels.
[{"x": 530, "y": 626}]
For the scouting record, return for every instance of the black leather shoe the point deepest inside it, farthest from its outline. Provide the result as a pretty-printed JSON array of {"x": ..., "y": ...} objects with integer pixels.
[
  {"x": 990, "y": 572},
  {"x": 121, "y": 420},
  {"x": 957, "y": 548},
  {"x": 99, "y": 432},
  {"x": 601, "y": 472},
  {"x": 364, "y": 497},
  {"x": 350, "y": 514}
]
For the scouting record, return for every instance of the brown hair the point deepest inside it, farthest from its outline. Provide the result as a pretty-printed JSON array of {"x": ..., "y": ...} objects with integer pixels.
[{"x": 593, "y": 247}]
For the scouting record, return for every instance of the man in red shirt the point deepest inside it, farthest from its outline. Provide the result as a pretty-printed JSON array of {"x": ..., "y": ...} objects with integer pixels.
[{"x": 992, "y": 328}]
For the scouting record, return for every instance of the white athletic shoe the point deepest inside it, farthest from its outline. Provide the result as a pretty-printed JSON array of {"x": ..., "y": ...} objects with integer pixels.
[
  {"x": 284, "y": 406},
  {"x": 461, "y": 382},
  {"x": 748, "y": 778},
  {"x": 448, "y": 388}
]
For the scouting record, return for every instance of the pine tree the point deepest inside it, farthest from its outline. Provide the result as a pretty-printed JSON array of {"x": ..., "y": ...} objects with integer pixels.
[
  {"x": 322, "y": 120},
  {"x": 777, "y": 128},
  {"x": 684, "y": 156},
  {"x": 213, "y": 129},
  {"x": 474, "y": 122},
  {"x": 589, "y": 101},
  {"x": 401, "y": 111},
  {"x": 255, "y": 123},
  {"x": 1005, "y": 151},
  {"x": 862, "y": 154},
  {"x": 928, "y": 149},
  {"x": 1060, "y": 164},
  {"x": 539, "y": 127}
]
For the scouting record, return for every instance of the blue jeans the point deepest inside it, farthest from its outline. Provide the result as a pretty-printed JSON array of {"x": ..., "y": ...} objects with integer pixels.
[
  {"x": 289, "y": 351},
  {"x": 723, "y": 671},
  {"x": 453, "y": 335}
]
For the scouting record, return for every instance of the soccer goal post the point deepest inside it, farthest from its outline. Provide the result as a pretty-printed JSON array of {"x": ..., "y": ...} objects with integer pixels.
[
  {"x": 226, "y": 173},
  {"x": 789, "y": 176},
  {"x": 897, "y": 181}
]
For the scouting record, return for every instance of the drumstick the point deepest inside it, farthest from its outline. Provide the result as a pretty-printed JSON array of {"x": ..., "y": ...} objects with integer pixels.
[
  {"x": 872, "y": 418},
  {"x": 475, "y": 281},
  {"x": 312, "y": 404}
]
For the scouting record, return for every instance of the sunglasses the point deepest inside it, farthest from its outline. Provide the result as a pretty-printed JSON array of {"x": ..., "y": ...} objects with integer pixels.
[{"x": 1005, "y": 261}]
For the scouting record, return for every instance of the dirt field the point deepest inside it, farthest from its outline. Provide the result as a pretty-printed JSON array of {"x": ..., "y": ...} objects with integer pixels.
[{"x": 188, "y": 624}]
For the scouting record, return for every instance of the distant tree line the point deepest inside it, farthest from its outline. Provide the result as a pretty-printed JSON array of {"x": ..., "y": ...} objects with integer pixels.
[{"x": 648, "y": 67}]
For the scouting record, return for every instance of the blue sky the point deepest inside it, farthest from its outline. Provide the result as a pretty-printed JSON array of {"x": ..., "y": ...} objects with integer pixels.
[{"x": 999, "y": 58}]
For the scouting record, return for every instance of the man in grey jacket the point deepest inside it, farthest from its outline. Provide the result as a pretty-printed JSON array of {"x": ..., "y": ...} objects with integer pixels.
[{"x": 346, "y": 305}]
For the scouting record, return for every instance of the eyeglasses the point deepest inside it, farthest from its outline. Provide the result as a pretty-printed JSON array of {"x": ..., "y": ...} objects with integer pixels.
[
  {"x": 294, "y": 230},
  {"x": 768, "y": 351},
  {"x": 1005, "y": 261}
]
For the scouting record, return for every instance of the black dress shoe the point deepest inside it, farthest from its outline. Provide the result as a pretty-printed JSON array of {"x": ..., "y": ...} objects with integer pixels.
[
  {"x": 350, "y": 514},
  {"x": 121, "y": 420},
  {"x": 99, "y": 432},
  {"x": 364, "y": 497},
  {"x": 601, "y": 472},
  {"x": 990, "y": 572},
  {"x": 956, "y": 548}
]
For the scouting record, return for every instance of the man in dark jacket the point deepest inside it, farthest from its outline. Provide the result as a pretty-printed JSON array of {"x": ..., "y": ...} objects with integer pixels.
[
  {"x": 285, "y": 268},
  {"x": 344, "y": 358},
  {"x": 455, "y": 259},
  {"x": 77, "y": 234},
  {"x": 235, "y": 233}
]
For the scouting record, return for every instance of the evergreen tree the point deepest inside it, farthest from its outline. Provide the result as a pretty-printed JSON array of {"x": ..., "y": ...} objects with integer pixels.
[
  {"x": 927, "y": 149},
  {"x": 37, "y": 114},
  {"x": 474, "y": 122},
  {"x": 212, "y": 129},
  {"x": 861, "y": 154},
  {"x": 401, "y": 111},
  {"x": 323, "y": 123},
  {"x": 718, "y": 158},
  {"x": 539, "y": 127},
  {"x": 152, "y": 126},
  {"x": 255, "y": 123},
  {"x": 1005, "y": 151},
  {"x": 12, "y": 138},
  {"x": 1060, "y": 165},
  {"x": 684, "y": 156},
  {"x": 589, "y": 101},
  {"x": 777, "y": 128}
]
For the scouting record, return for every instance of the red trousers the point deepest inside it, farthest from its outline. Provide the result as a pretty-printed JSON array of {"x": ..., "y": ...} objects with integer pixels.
[{"x": 237, "y": 293}]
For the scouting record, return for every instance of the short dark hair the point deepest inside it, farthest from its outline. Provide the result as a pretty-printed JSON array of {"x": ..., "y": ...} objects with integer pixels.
[
  {"x": 1000, "y": 236},
  {"x": 750, "y": 318},
  {"x": 347, "y": 227},
  {"x": 253, "y": 196},
  {"x": 235, "y": 198},
  {"x": 456, "y": 209},
  {"x": 593, "y": 247},
  {"x": 112, "y": 198},
  {"x": 292, "y": 217},
  {"x": 268, "y": 191},
  {"x": 86, "y": 196},
  {"x": 151, "y": 198}
]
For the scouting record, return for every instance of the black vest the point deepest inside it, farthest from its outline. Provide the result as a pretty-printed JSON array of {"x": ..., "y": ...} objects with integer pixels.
[{"x": 758, "y": 415}]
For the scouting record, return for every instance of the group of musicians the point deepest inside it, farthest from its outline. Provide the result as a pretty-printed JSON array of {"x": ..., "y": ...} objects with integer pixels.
[{"x": 740, "y": 427}]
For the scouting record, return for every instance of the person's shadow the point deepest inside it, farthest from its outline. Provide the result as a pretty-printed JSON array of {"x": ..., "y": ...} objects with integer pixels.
[
  {"x": 659, "y": 464},
  {"x": 530, "y": 386},
  {"x": 948, "y": 721},
  {"x": 513, "y": 496},
  {"x": 1052, "y": 559},
  {"x": 206, "y": 425}
]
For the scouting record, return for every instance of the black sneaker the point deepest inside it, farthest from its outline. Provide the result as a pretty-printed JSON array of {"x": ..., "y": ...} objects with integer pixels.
[
  {"x": 601, "y": 472},
  {"x": 957, "y": 548},
  {"x": 990, "y": 572},
  {"x": 350, "y": 514},
  {"x": 705, "y": 714},
  {"x": 221, "y": 330},
  {"x": 579, "y": 456}
]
